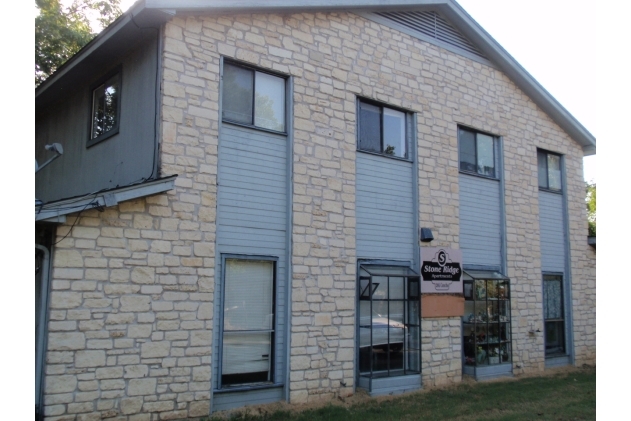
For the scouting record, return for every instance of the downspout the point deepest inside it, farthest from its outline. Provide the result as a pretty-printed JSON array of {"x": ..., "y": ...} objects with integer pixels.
[{"x": 41, "y": 335}]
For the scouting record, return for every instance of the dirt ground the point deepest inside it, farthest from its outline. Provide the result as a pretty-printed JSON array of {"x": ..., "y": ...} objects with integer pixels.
[{"x": 361, "y": 396}]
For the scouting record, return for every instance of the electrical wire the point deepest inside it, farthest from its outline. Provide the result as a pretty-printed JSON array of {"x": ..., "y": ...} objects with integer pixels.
[
  {"x": 156, "y": 97},
  {"x": 68, "y": 204},
  {"x": 75, "y": 222}
]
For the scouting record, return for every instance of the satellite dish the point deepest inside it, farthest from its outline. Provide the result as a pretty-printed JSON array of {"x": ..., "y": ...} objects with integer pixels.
[{"x": 55, "y": 147}]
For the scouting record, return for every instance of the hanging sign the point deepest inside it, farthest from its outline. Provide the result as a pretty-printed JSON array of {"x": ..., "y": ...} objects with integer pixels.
[{"x": 441, "y": 270}]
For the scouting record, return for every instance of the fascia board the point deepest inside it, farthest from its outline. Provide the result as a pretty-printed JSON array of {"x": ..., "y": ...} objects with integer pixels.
[
  {"x": 107, "y": 198},
  {"x": 251, "y": 6},
  {"x": 511, "y": 68}
]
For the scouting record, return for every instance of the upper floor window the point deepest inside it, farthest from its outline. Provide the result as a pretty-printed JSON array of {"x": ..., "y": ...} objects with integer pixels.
[
  {"x": 253, "y": 98},
  {"x": 382, "y": 130},
  {"x": 105, "y": 109},
  {"x": 549, "y": 170},
  {"x": 477, "y": 152}
]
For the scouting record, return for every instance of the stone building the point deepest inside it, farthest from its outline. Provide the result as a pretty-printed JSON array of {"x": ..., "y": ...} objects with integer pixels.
[{"x": 245, "y": 193}]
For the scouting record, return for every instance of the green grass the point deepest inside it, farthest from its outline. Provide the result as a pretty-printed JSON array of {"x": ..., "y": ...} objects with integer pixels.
[{"x": 561, "y": 397}]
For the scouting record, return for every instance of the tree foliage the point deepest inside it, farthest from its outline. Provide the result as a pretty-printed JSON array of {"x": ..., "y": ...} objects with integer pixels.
[
  {"x": 61, "y": 31},
  {"x": 590, "y": 200}
]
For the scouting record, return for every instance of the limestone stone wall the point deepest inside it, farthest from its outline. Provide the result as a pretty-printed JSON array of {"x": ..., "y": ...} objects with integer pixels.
[
  {"x": 132, "y": 301},
  {"x": 441, "y": 345}
]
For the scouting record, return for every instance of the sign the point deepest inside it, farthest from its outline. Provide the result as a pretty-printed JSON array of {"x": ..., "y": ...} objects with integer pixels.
[{"x": 441, "y": 270}]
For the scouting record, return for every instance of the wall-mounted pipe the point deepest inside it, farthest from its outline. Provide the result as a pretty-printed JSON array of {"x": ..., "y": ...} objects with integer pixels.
[{"x": 40, "y": 344}]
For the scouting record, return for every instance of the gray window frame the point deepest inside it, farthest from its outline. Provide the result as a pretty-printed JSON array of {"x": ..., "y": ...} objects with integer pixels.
[
  {"x": 407, "y": 124},
  {"x": 496, "y": 151},
  {"x": 561, "y": 279},
  {"x": 116, "y": 73},
  {"x": 255, "y": 70},
  {"x": 249, "y": 386},
  {"x": 547, "y": 187}
]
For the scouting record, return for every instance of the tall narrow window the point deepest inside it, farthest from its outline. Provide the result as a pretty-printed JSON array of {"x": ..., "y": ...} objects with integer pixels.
[
  {"x": 553, "y": 314},
  {"x": 389, "y": 322},
  {"x": 549, "y": 165},
  {"x": 253, "y": 98},
  {"x": 382, "y": 130},
  {"x": 248, "y": 322},
  {"x": 105, "y": 109},
  {"x": 477, "y": 152}
]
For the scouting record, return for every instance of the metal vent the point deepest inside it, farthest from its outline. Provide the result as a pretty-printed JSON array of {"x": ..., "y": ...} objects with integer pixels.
[{"x": 433, "y": 25}]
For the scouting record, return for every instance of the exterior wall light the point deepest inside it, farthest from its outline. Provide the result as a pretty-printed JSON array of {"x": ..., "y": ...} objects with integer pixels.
[{"x": 426, "y": 235}]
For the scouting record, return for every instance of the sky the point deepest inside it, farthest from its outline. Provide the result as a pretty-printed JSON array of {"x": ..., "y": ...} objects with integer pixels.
[{"x": 549, "y": 39}]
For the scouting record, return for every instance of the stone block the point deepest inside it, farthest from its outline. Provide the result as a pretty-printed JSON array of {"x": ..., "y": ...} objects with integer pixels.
[
  {"x": 85, "y": 359},
  {"x": 135, "y": 303},
  {"x": 68, "y": 259},
  {"x": 60, "y": 384},
  {"x": 201, "y": 338},
  {"x": 199, "y": 409},
  {"x": 155, "y": 349},
  {"x": 65, "y": 300},
  {"x": 143, "y": 275},
  {"x": 109, "y": 373},
  {"x": 205, "y": 311},
  {"x": 136, "y": 371},
  {"x": 66, "y": 341},
  {"x": 140, "y": 387},
  {"x": 130, "y": 406},
  {"x": 139, "y": 331}
]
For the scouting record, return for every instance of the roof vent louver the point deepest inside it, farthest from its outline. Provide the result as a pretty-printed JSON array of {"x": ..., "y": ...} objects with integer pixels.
[{"x": 432, "y": 25}]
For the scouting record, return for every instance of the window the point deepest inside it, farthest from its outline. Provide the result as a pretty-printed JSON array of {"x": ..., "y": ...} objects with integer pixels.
[
  {"x": 389, "y": 321},
  {"x": 105, "y": 109},
  {"x": 549, "y": 170},
  {"x": 248, "y": 322},
  {"x": 253, "y": 98},
  {"x": 477, "y": 152},
  {"x": 382, "y": 130},
  {"x": 553, "y": 314},
  {"x": 486, "y": 323}
]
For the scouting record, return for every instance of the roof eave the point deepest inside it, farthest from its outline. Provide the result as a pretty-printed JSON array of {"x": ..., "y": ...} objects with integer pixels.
[
  {"x": 154, "y": 12},
  {"x": 524, "y": 80},
  {"x": 277, "y": 6}
]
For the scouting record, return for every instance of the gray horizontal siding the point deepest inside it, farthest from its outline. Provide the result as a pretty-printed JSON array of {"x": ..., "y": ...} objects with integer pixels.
[
  {"x": 252, "y": 220},
  {"x": 122, "y": 159},
  {"x": 385, "y": 208},
  {"x": 480, "y": 221},
  {"x": 552, "y": 229}
]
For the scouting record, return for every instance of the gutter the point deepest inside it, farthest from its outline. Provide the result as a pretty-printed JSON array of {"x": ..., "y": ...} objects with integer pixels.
[{"x": 105, "y": 198}]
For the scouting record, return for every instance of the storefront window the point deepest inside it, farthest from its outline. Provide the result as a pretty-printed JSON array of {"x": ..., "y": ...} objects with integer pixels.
[
  {"x": 389, "y": 322},
  {"x": 486, "y": 320}
]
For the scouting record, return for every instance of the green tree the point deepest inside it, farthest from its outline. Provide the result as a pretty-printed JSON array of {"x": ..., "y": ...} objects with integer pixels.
[
  {"x": 590, "y": 200},
  {"x": 60, "y": 32}
]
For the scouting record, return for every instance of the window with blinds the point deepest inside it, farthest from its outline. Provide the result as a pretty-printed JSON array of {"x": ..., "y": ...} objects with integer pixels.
[{"x": 248, "y": 322}]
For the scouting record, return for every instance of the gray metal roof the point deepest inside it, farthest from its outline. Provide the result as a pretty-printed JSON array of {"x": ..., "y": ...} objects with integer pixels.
[{"x": 121, "y": 34}]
